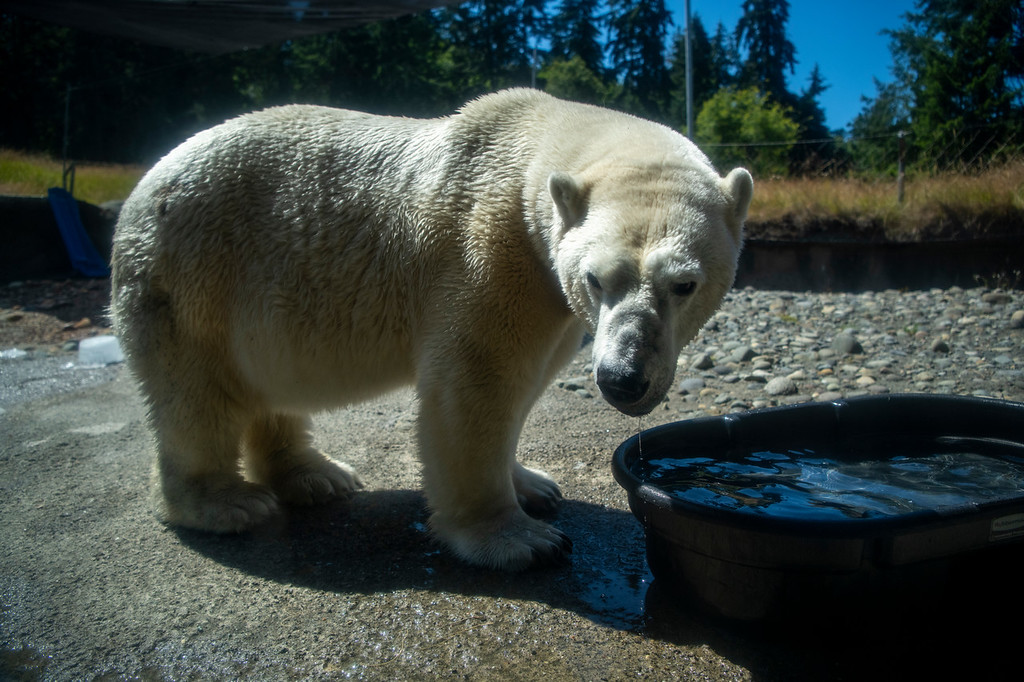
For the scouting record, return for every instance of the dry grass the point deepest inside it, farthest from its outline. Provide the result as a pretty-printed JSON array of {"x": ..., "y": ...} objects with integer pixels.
[
  {"x": 989, "y": 201},
  {"x": 32, "y": 174},
  {"x": 948, "y": 205}
]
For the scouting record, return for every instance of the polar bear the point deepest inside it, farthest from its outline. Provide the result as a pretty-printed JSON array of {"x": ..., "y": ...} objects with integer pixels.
[{"x": 302, "y": 258}]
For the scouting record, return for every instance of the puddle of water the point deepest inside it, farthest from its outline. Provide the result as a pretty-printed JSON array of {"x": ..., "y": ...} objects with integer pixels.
[{"x": 616, "y": 597}]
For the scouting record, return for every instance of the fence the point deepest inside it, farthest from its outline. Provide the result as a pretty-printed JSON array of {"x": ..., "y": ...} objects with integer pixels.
[{"x": 965, "y": 150}]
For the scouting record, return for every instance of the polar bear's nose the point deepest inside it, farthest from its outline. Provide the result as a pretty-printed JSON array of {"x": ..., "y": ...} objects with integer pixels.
[{"x": 621, "y": 385}]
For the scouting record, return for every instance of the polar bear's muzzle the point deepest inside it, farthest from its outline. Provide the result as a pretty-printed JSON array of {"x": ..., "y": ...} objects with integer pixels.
[
  {"x": 629, "y": 367},
  {"x": 623, "y": 387}
]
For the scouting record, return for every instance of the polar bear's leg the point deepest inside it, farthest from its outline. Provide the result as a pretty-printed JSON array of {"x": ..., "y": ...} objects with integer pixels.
[
  {"x": 280, "y": 454},
  {"x": 467, "y": 443},
  {"x": 196, "y": 421},
  {"x": 198, "y": 479}
]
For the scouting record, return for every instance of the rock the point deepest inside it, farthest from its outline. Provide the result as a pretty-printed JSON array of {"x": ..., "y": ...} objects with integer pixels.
[
  {"x": 574, "y": 383},
  {"x": 940, "y": 346},
  {"x": 780, "y": 386},
  {"x": 691, "y": 385},
  {"x": 997, "y": 298},
  {"x": 741, "y": 354},
  {"x": 702, "y": 361},
  {"x": 845, "y": 344},
  {"x": 1017, "y": 320}
]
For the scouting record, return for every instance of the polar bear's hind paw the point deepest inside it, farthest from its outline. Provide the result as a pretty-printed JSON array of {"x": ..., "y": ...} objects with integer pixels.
[
  {"x": 536, "y": 492},
  {"x": 317, "y": 483},
  {"x": 233, "y": 508}
]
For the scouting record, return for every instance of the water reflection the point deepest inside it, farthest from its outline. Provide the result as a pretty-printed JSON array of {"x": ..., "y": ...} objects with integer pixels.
[{"x": 811, "y": 485}]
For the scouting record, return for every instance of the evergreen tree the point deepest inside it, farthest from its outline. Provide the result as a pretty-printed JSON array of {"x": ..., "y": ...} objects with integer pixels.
[
  {"x": 492, "y": 42},
  {"x": 964, "y": 65},
  {"x": 638, "y": 30},
  {"x": 876, "y": 129},
  {"x": 762, "y": 31},
  {"x": 576, "y": 31},
  {"x": 723, "y": 60},
  {"x": 388, "y": 67},
  {"x": 819, "y": 153}
]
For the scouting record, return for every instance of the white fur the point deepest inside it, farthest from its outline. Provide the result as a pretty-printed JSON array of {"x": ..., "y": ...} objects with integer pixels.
[{"x": 303, "y": 258}]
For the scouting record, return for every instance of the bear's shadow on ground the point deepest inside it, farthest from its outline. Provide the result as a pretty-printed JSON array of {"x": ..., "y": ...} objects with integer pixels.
[{"x": 378, "y": 542}]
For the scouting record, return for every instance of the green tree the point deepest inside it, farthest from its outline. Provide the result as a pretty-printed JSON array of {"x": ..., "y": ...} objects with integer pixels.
[
  {"x": 762, "y": 31},
  {"x": 491, "y": 42},
  {"x": 576, "y": 31},
  {"x": 392, "y": 67},
  {"x": 875, "y": 131},
  {"x": 638, "y": 30},
  {"x": 964, "y": 65},
  {"x": 572, "y": 79},
  {"x": 714, "y": 65},
  {"x": 819, "y": 153},
  {"x": 746, "y": 128}
]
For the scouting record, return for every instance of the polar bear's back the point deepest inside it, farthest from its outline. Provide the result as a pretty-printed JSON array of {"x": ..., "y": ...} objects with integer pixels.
[{"x": 284, "y": 240}]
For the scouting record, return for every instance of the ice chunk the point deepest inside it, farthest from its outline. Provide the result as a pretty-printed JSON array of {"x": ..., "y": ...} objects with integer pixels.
[{"x": 99, "y": 350}]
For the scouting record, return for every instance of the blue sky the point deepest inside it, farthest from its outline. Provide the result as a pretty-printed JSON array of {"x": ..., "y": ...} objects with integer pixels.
[{"x": 842, "y": 37}]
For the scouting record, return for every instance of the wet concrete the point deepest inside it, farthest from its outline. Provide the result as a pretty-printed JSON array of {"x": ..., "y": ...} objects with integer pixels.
[{"x": 93, "y": 587}]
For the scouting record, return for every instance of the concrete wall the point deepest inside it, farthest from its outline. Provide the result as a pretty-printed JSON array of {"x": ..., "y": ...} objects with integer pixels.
[
  {"x": 32, "y": 247},
  {"x": 860, "y": 266}
]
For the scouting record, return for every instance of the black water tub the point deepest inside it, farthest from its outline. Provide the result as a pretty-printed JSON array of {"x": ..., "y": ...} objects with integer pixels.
[{"x": 833, "y": 507}]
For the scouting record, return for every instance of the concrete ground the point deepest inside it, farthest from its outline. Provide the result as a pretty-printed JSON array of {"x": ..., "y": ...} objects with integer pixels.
[{"x": 93, "y": 587}]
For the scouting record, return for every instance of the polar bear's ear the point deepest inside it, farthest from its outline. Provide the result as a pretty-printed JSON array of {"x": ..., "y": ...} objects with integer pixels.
[
  {"x": 740, "y": 187},
  {"x": 569, "y": 197}
]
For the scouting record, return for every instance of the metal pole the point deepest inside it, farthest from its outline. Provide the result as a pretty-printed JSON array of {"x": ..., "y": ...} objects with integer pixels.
[
  {"x": 901, "y": 174},
  {"x": 689, "y": 76},
  {"x": 67, "y": 136}
]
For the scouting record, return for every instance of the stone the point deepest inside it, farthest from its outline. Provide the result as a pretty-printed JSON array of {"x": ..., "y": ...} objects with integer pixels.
[
  {"x": 780, "y": 386},
  {"x": 846, "y": 344},
  {"x": 691, "y": 385},
  {"x": 702, "y": 361},
  {"x": 997, "y": 298},
  {"x": 741, "y": 354}
]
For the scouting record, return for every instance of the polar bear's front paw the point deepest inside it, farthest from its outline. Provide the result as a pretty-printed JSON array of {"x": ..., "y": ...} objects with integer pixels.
[
  {"x": 317, "y": 483},
  {"x": 537, "y": 492},
  {"x": 513, "y": 542},
  {"x": 225, "y": 507}
]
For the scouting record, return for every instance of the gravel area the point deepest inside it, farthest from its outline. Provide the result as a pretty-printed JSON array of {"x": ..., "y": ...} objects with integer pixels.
[{"x": 766, "y": 348}]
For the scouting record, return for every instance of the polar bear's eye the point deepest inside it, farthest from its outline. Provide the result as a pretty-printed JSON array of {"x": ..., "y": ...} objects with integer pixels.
[
  {"x": 683, "y": 288},
  {"x": 592, "y": 281}
]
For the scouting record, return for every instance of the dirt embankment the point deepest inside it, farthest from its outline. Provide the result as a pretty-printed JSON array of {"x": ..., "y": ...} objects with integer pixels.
[{"x": 942, "y": 224}]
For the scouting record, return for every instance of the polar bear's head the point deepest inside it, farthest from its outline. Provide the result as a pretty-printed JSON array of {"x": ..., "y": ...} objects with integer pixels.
[{"x": 645, "y": 254}]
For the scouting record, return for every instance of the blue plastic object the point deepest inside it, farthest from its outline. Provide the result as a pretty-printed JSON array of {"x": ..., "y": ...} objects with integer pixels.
[{"x": 84, "y": 257}]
